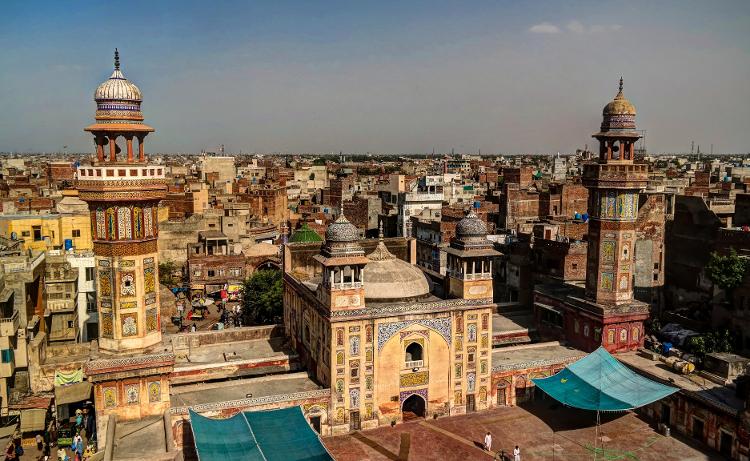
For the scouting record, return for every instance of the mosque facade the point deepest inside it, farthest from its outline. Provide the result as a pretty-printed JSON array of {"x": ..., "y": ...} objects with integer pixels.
[{"x": 390, "y": 343}]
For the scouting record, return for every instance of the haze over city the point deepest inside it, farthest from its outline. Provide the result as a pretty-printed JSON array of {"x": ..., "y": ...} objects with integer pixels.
[{"x": 500, "y": 76}]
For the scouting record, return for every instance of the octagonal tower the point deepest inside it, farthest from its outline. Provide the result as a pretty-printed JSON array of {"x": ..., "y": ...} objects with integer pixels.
[{"x": 123, "y": 191}]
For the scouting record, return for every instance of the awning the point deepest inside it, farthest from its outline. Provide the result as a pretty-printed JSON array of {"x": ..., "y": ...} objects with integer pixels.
[
  {"x": 282, "y": 434},
  {"x": 72, "y": 393},
  {"x": 63, "y": 377},
  {"x": 33, "y": 420},
  {"x": 7, "y": 431},
  {"x": 600, "y": 382}
]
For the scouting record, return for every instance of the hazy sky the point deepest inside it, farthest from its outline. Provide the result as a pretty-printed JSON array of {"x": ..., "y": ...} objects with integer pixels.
[{"x": 379, "y": 76}]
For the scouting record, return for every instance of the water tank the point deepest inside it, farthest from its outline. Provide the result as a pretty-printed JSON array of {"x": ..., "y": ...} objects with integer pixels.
[{"x": 68, "y": 244}]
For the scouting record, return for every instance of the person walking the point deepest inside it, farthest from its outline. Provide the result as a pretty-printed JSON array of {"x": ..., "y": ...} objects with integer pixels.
[
  {"x": 78, "y": 447},
  {"x": 488, "y": 442},
  {"x": 516, "y": 454}
]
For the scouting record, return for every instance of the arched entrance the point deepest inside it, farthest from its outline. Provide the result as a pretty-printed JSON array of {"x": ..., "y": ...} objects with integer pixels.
[
  {"x": 268, "y": 266},
  {"x": 413, "y": 407}
]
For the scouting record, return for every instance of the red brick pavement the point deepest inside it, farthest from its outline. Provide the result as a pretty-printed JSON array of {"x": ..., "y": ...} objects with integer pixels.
[{"x": 625, "y": 436}]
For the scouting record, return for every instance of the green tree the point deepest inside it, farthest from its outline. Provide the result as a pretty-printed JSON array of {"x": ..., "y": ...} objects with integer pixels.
[
  {"x": 726, "y": 271},
  {"x": 166, "y": 273},
  {"x": 262, "y": 298}
]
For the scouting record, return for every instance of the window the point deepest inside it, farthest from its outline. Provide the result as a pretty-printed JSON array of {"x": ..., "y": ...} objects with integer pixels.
[
  {"x": 211, "y": 273},
  {"x": 355, "y": 373},
  {"x": 656, "y": 266},
  {"x": 656, "y": 277},
  {"x": 7, "y": 355},
  {"x": 25, "y": 234},
  {"x": 90, "y": 303},
  {"x": 89, "y": 274},
  {"x": 70, "y": 324},
  {"x": 76, "y": 233},
  {"x": 37, "y": 233},
  {"x": 413, "y": 352}
]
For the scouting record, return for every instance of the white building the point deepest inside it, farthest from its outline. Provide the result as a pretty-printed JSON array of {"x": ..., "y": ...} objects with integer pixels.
[{"x": 88, "y": 319}]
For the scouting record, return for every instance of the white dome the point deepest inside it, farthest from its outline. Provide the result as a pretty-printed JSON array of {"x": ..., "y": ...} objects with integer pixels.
[
  {"x": 388, "y": 278},
  {"x": 117, "y": 87}
]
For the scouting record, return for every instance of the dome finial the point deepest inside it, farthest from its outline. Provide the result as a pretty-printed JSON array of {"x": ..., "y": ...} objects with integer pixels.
[
  {"x": 619, "y": 93},
  {"x": 380, "y": 231},
  {"x": 117, "y": 59}
]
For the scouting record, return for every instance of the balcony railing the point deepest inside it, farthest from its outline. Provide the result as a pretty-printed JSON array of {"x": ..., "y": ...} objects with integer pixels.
[
  {"x": 344, "y": 285},
  {"x": 9, "y": 325},
  {"x": 414, "y": 364},
  {"x": 479, "y": 276}
]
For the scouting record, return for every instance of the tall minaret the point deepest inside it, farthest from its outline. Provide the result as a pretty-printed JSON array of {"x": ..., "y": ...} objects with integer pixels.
[
  {"x": 123, "y": 191},
  {"x": 614, "y": 182}
]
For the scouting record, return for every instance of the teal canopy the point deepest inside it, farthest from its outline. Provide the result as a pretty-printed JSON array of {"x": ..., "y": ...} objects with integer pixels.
[
  {"x": 281, "y": 434},
  {"x": 600, "y": 382}
]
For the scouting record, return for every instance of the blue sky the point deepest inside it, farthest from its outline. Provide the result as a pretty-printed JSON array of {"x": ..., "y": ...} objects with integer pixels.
[{"x": 306, "y": 76}]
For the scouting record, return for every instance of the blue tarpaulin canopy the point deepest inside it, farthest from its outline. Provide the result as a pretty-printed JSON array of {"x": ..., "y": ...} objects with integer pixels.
[
  {"x": 281, "y": 434},
  {"x": 600, "y": 382}
]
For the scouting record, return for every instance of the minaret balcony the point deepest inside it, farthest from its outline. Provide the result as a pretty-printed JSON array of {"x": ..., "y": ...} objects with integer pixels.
[
  {"x": 120, "y": 172},
  {"x": 625, "y": 175}
]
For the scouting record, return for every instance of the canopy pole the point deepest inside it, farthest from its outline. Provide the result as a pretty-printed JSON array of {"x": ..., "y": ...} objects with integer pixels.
[{"x": 596, "y": 434}]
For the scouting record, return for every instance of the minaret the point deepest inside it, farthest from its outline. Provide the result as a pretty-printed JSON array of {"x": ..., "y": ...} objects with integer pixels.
[
  {"x": 343, "y": 260},
  {"x": 123, "y": 191},
  {"x": 614, "y": 182}
]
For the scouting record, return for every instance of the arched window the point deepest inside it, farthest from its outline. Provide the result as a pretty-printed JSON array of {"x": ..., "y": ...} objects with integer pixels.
[{"x": 413, "y": 352}]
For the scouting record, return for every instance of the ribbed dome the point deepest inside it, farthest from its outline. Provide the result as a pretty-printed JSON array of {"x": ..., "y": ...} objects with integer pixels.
[
  {"x": 342, "y": 230},
  {"x": 619, "y": 106},
  {"x": 471, "y": 226},
  {"x": 117, "y": 87},
  {"x": 619, "y": 114},
  {"x": 388, "y": 278}
]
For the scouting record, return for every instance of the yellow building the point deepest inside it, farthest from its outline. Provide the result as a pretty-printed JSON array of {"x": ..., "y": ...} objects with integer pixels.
[
  {"x": 49, "y": 231},
  {"x": 390, "y": 343}
]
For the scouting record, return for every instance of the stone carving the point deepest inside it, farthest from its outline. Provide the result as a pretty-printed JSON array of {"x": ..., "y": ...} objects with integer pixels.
[
  {"x": 441, "y": 325},
  {"x": 127, "y": 284},
  {"x": 339, "y": 358},
  {"x": 472, "y": 332},
  {"x": 149, "y": 280},
  {"x": 129, "y": 324},
  {"x": 128, "y": 305},
  {"x": 354, "y": 345},
  {"x": 354, "y": 398},
  {"x": 154, "y": 391},
  {"x": 105, "y": 283},
  {"x": 124, "y": 224},
  {"x": 243, "y": 403},
  {"x": 131, "y": 393},
  {"x": 411, "y": 308},
  {"x": 414, "y": 379},
  {"x": 107, "y": 330},
  {"x": 470, "y": 380},
  {"x": 109, "y": 395},
  {"x": 152, "y": 323},
  {"x": 403, "y": 395}
]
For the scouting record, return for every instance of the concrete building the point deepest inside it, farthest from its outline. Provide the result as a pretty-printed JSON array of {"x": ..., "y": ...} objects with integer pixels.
[{"x": 61, "y": 298}]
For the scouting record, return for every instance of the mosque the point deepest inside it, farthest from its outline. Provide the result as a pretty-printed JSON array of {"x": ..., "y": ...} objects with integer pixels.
[{"x": 368, "y": 338}]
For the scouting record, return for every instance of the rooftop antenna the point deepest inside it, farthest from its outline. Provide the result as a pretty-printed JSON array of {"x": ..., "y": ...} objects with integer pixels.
[
  {"x": 692, "y": 147},
  {"x": 712, "y": 149}
]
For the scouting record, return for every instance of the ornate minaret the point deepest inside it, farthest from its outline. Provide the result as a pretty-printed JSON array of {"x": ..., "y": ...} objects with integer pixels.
[
  {"x": 123, "y": 192},
  {"x": 614, "y": 182}
]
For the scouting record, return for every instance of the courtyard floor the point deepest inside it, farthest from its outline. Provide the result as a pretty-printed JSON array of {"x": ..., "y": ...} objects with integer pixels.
[{"x": 623, "y": 436}]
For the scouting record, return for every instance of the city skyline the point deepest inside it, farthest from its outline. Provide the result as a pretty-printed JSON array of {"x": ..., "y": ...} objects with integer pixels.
[{"x": 294, "y": 77}]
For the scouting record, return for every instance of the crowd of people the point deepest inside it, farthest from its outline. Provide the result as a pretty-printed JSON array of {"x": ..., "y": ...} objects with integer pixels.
[{"x": 82, "y": 445}]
